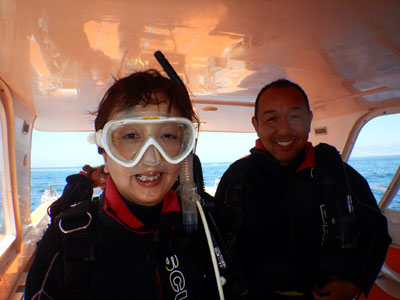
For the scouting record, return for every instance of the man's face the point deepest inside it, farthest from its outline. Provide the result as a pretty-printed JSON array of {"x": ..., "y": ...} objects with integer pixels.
[{"x": 283, "y": 122}]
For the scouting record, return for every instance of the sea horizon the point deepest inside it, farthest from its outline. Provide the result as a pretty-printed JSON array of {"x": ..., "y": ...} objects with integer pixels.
[
  {"x": 215, "y": 162},
  {"x": 377, "y": 170}
]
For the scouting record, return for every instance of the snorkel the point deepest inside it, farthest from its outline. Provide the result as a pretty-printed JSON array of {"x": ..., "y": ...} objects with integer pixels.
[{"x": 189, "y": 195}]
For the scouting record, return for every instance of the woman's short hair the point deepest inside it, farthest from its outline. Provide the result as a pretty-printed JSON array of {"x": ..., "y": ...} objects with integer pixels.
[{"x": 139, "y": 89}]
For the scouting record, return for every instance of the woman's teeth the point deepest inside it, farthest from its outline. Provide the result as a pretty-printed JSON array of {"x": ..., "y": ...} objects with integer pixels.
[
  {"x": 148, "y": 178},
  {"x": 284, "y": 143}
]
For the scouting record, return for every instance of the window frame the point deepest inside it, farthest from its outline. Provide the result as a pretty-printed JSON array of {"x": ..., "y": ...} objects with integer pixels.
[
  {"x": 10, "y": 244},
  {"x": 393, "y": 187}
]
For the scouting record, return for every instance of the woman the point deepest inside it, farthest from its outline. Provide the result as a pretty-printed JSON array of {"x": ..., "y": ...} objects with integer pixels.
[{"x": 144, "y": 131}]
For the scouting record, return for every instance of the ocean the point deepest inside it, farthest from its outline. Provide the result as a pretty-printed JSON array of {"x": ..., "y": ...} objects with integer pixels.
[{"x": 377, "y": 170}]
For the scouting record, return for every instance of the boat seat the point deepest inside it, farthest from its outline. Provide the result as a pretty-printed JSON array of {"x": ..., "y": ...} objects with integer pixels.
[{"x": 389, "y": 281}]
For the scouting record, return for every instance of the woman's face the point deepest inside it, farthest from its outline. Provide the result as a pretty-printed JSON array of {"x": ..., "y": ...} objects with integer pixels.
[{"x": 147, "y": 182}]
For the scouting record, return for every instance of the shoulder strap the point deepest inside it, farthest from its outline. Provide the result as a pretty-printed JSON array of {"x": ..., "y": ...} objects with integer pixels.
[
  {"x": 77, "y": 237},
  {"x": 337, "y": 207},
  {"x": 78, "y": 188}
]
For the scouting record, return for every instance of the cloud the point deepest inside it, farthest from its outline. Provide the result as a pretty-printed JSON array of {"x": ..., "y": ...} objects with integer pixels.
[{"x": 376, "y": 150}]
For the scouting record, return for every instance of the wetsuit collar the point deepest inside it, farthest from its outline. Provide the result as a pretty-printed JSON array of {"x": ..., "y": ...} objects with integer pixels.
[
  {"x": 308, "y": 162},
  {"x": 84, "y": 174},
  {"x": 115, "y": 207}
]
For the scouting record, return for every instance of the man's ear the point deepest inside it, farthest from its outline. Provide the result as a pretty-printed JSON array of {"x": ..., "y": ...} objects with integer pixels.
[
  {"x": 310, "y": 117},
  {"x": 255, "y": 124}
]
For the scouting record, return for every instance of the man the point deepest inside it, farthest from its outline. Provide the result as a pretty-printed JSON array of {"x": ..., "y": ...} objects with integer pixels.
[
  {"x": 79, "y": 187},
  {"x": 302, "y": 224}
]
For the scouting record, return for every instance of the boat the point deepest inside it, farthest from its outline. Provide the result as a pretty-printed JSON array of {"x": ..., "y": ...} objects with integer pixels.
[
  {"x": 49, "y": 195},
  {"x": 57, "y": 58}
]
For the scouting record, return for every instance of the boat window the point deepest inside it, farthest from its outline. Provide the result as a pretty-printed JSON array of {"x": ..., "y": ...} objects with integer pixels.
[
  {"x": 2, "y": 219},
  {"x": 7, "y": 224},
  {"x": 376, "y": 155}
]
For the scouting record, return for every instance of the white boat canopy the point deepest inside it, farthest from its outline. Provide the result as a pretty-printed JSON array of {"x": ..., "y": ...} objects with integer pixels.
[{"x": 59, "y": 57}]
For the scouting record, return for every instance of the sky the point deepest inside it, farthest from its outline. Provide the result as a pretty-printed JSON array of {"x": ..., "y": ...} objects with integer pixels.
[{"x": 380, "y": 136}]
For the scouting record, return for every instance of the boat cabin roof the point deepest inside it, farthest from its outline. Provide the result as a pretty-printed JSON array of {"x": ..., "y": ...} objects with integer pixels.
[{"x": 59, "y": 57}]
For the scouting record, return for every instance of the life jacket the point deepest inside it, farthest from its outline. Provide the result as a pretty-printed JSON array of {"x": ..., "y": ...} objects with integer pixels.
[
  {"x": 79, "y": 234},
  {"x": 328, "y": 169},
  {"x": 229, "y": 265},
  {"x": 337, "y": 207},
  {"x": 77, "y": 237},
  {"x": 338, "y": 201}
]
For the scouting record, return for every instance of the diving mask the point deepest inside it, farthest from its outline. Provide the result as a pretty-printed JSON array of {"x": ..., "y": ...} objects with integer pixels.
[{"x": 126, "y": 140}]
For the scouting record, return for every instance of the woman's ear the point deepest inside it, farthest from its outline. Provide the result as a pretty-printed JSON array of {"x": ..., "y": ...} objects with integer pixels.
[{"x": 105, "y": 157}]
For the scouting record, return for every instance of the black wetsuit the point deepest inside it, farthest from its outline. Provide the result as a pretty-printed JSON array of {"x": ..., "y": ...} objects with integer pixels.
[
  {"x": 274, "y": 215},
  {"x": 146, "y": 256}
]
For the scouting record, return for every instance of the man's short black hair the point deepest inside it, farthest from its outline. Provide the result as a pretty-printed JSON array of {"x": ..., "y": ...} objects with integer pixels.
[{"x": 281, "y": 83}]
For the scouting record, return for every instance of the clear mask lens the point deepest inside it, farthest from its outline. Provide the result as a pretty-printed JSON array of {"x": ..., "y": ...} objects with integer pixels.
[{"x": 126, "y": 141}]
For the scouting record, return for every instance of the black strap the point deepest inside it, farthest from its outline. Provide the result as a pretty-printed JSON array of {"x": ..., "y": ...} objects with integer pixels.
[
  {"x": 77, "y": 238},
  {"x": 79, "y": 188}
]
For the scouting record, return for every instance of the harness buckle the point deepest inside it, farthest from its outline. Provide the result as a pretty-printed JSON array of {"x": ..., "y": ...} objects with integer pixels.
[{"x": 66, "y": 231}]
